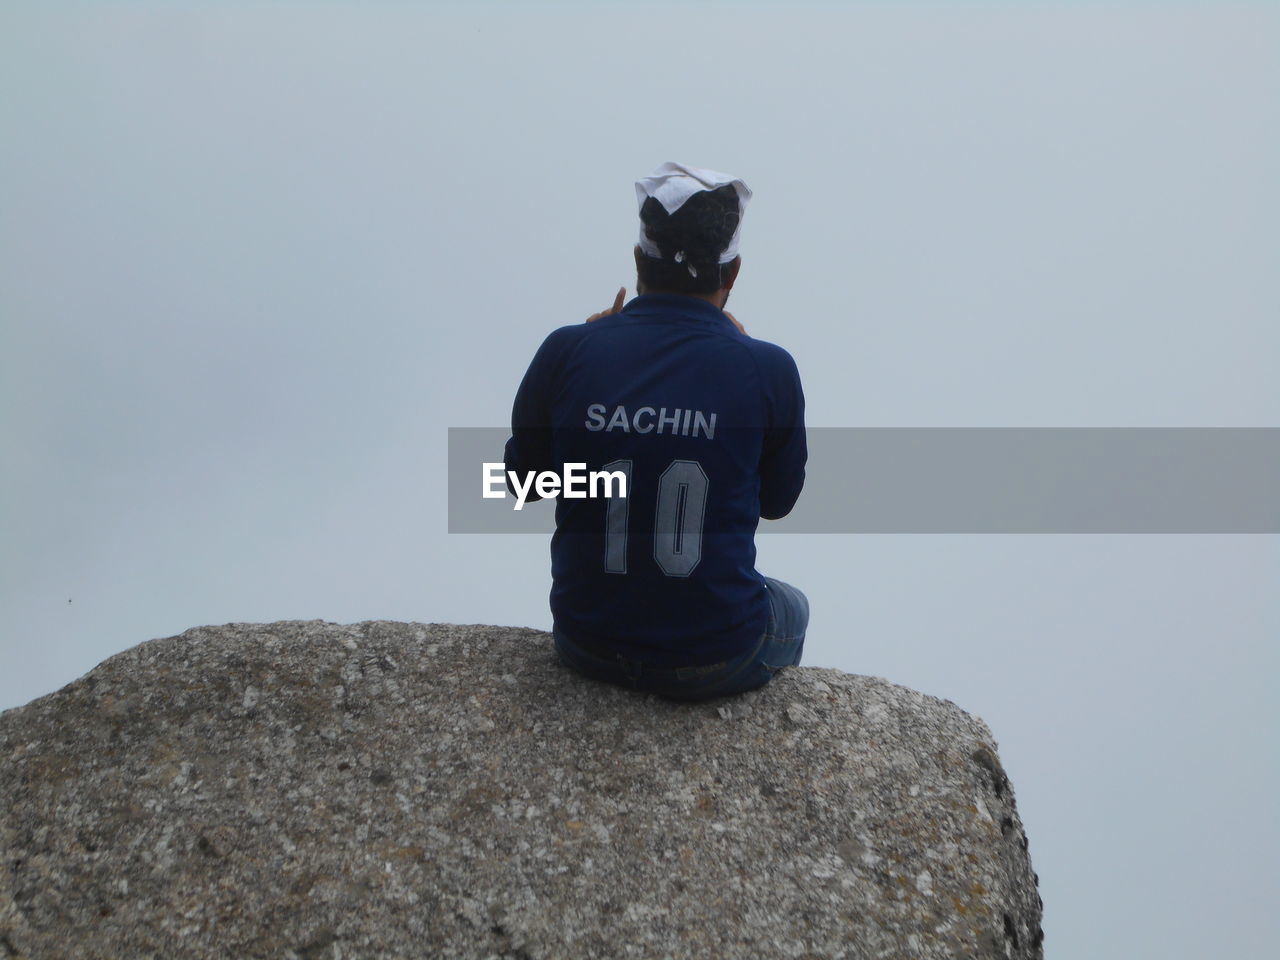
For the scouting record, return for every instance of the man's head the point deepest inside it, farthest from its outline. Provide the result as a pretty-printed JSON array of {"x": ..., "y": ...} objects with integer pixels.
[{"x": 690, "y": 220}]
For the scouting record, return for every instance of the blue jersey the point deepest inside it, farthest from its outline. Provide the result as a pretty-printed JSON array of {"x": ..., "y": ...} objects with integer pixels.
[{"x": 707, "y": 426}]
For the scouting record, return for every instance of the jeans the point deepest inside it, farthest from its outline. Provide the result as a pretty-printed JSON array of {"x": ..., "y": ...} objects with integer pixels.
[{"x": 779, "y": 647}]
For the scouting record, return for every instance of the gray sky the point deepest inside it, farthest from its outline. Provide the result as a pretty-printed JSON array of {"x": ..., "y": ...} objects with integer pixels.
[{"x": 255, "y": 259}]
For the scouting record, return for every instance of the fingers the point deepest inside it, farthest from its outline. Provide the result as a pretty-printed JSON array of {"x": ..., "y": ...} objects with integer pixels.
[
  {"x": 617, "y": 305},
  {"x": 734, "y": 321}
]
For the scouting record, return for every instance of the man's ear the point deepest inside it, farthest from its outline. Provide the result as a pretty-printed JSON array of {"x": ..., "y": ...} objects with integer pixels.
[
  {"x": 639, "y": 257},
  {"x": 734, "y": 266}
]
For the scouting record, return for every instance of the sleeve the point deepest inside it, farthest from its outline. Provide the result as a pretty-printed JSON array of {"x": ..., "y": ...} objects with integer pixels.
[
  {"x": 529, "y": 448},
  {"x": 785, "y": 450}
]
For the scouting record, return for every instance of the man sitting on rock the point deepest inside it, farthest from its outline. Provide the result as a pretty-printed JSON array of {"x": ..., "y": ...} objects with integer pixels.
[{"x": 658, "y": 590}]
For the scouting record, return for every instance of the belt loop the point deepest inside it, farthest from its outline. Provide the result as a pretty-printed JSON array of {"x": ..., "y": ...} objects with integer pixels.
[{"x": 633, "y": 669}]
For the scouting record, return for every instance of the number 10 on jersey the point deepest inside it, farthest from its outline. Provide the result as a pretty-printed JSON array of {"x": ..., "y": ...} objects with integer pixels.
[{"x": 678, "y": 516}]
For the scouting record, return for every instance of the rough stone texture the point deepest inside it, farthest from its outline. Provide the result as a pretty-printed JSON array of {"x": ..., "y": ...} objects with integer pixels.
[{"x": 309, "y": 790}]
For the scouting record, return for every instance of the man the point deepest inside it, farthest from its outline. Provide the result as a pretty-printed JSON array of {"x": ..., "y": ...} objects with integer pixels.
[{"x": 658, "y": 591}]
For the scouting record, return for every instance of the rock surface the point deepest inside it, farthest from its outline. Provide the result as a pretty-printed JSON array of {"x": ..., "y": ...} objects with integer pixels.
[{"x": 311, "y": 790}]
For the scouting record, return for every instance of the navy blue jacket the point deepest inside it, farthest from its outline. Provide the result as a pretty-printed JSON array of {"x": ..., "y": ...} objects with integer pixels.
[{"x": 707, "y": 424}]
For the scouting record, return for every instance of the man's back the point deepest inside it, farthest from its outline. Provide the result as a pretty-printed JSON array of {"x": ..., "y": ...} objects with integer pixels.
[{"x": 707, "y": 424}]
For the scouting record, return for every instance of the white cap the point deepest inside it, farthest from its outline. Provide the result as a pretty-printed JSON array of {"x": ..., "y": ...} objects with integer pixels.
[{"x": 674, "y": 183}]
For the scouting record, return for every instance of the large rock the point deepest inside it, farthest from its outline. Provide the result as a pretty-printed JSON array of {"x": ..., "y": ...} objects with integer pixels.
[{"x": 310, "y": 790}]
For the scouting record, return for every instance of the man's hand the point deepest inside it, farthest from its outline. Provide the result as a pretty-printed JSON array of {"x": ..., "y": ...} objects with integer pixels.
[
  {"x": 732, "y": 319},
  {"x": 617, "y": 305}
]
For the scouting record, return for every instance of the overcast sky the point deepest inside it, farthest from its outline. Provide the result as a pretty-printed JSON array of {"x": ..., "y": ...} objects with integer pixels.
[{"x": 255, "y": 259}]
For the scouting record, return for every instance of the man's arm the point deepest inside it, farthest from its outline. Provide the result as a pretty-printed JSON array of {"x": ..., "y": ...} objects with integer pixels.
[
  {"x": 529, "y": 449},
  {"x": 786, "y": 451}
]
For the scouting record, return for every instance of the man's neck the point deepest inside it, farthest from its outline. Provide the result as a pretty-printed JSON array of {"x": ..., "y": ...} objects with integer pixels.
[{"x": 717, "y": 298}]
